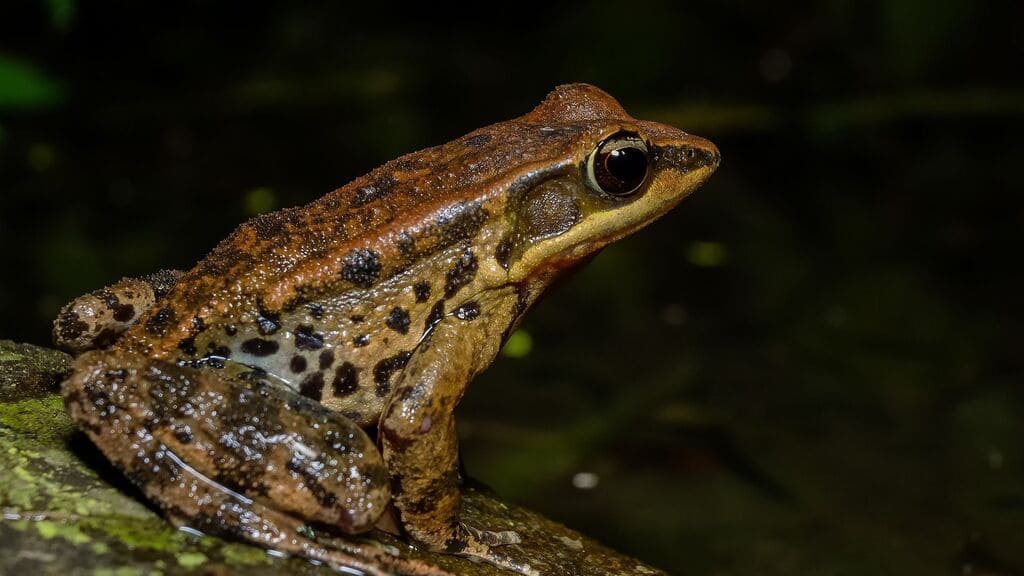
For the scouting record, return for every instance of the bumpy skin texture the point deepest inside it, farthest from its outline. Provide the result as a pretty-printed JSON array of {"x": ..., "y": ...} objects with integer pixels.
[
  {"x": 237, "y": 398},
  {"x": 97, "y": 319}
]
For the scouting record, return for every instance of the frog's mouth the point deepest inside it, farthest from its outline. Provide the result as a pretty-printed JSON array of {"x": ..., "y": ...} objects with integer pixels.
[{"x": 679, "y": 165}]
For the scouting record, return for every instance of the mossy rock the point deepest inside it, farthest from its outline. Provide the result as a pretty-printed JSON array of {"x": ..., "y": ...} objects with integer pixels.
[{"x": 66, "y": 511}]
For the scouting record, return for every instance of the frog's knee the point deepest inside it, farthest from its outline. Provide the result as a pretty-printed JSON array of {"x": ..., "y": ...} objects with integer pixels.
[{"x": 96, "y": 320}]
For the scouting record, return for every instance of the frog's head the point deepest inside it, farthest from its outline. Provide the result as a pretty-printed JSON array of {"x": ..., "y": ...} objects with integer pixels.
[{"x": 613, "y": 175}]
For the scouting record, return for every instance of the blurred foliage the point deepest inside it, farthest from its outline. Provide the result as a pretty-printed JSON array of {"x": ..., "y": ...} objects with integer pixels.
[
  {"x": 519, "y": 344},
  {"x": 259, "y": 201},
  {"x": 813, "y": 365},
  {"x": 23, "y": 85},
  {"x": 62, "y": 13}
]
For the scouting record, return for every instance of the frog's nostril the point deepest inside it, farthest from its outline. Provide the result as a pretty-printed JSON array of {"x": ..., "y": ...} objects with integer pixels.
[
  {"x": 706, "y": 156},
  {"x": 713, "y": 158}
]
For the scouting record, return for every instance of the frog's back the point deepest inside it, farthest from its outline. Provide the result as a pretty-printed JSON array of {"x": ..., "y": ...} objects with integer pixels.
[{"x": 375, "y": 227}]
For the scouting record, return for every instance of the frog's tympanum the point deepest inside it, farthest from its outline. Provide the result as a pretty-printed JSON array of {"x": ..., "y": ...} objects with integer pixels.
[{"x": 302, "y": 379}]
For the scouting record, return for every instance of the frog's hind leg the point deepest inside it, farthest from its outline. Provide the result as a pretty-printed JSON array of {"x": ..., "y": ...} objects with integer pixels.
[
  {"x": 252, "y": 460},
  {"x": 97, "y": 319}
]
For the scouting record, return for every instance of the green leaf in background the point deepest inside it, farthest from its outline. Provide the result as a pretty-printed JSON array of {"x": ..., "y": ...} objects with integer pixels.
[{"x": 22, "y": 85}]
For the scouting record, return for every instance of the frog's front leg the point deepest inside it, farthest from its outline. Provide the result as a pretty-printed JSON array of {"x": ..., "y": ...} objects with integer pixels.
[
  {"x": 97, "y": 319},
  {"x": 419, "y": 443},
  {"x": 249, "y": 460}
]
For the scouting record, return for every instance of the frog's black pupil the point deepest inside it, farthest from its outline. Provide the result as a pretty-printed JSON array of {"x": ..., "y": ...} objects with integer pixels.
[
  {"x": 622, "y": 171},
  {"x": 627, "y": 164}
]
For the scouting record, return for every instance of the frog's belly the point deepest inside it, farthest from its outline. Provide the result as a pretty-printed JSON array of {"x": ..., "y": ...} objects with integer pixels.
[{"x": 347, "y": 358}]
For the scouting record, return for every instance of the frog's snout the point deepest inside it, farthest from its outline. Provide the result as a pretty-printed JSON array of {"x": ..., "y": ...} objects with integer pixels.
[
  {"x": 690, "y": 154},
  {"x": 703, "y": 153},
  {"x": 712, "y": 157}
]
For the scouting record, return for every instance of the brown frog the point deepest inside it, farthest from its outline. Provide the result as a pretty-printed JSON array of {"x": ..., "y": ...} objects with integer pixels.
[{"x": 243, "y": 396}]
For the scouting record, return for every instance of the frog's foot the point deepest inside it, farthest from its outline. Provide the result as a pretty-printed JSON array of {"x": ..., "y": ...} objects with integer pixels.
[
  {"x": 482, "y": 544},
  {"x": 492, "y": 538},
  {"x": 253, "y": 522},
  {"x": 96, "y": 320}
]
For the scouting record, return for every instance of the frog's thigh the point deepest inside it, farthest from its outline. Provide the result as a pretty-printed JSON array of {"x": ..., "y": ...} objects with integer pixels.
[
  {"x": 98, "y": 318},
  {"x": 177, "y": 431},
  {"x": 419, "y": 444}
]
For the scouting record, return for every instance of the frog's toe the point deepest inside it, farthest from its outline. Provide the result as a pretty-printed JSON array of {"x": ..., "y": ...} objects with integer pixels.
[
  {"x": 492, "y": 538},
  {"x": 485, "y": 545},
  {"x": 495, "y": 558},
  {"x": 258, "y": 524}
]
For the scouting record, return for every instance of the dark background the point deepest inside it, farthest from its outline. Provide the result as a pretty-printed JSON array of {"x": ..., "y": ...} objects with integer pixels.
[{"x": 812, "y": 366}]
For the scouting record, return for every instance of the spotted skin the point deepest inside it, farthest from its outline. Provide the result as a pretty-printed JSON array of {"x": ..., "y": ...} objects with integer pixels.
[
  {"x": 371, "y": 308},
  {"x": 97, "y": 319}
]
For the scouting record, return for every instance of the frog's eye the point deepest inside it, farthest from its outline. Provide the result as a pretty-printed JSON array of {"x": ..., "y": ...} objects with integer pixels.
[{"x": 618, "y": 165}]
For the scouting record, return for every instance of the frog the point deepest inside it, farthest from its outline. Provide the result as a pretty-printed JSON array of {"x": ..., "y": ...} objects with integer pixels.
[{"x": 299, "y": 384}]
